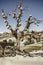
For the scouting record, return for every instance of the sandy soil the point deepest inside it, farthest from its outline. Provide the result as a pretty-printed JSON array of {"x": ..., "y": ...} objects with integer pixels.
[{"x": 20, "y": 60}]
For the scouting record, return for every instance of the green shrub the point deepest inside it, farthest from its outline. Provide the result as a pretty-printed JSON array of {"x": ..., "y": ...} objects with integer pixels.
[{"x": 28, "y": 42}]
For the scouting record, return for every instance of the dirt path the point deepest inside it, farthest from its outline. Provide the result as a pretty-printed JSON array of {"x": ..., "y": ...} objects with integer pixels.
[{"x": 20, "y": 60}]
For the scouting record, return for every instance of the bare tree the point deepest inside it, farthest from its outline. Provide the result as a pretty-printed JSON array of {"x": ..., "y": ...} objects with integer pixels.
[{"x": 29, "y": 21}]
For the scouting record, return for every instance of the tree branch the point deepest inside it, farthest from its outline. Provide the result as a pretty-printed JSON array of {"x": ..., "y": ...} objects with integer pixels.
[{"x": 14, "y": 32}]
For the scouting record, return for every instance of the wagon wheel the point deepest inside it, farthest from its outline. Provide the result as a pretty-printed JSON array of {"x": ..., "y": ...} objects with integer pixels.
[
  {"x": 13, "y": 53},
  {"x": 1, "y": 51},
  {"x": 9, "y": 51}
]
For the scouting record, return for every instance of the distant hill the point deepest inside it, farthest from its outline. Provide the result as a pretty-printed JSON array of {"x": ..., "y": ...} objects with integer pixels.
[
  {"x": 35, "y": 33},
  {"x": 5, "y": 34}
]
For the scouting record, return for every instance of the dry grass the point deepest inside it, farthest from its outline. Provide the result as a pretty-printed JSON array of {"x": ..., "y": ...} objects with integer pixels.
[{"x": 32, "y": 48}]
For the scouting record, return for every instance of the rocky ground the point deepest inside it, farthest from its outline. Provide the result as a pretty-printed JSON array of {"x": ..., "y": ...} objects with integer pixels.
[{"x": 20, "y": 60}]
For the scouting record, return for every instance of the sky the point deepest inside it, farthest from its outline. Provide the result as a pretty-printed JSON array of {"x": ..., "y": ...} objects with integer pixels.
[{"x": 35, "y": 8}]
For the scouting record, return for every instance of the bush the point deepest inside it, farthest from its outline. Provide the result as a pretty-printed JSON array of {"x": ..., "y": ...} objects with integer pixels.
[{"x": 28, "y": 42}]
